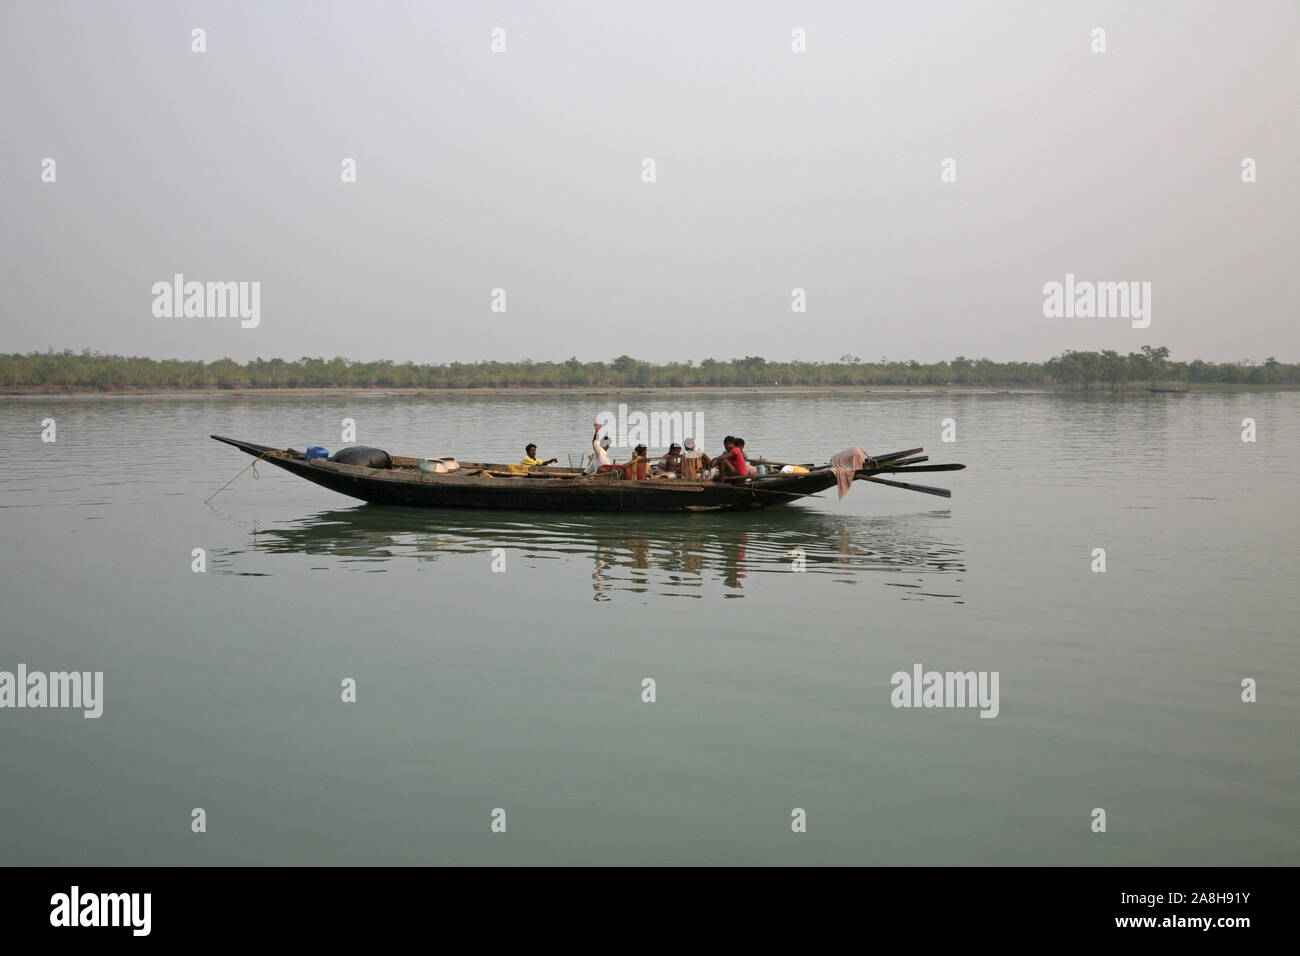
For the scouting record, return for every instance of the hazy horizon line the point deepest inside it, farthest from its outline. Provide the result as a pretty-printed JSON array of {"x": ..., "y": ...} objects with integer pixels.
[{"x": 50, "y": 350}]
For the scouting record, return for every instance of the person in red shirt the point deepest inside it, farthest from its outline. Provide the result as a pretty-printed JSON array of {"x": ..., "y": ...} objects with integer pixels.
[{"x": 731, "y": 464}]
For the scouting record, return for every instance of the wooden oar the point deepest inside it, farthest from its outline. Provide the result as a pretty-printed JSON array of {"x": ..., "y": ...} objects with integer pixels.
[
  {"x": 924, "y": 489},
  {"x": 899, "y": 471},
  {"x": 898, "y": 454}
]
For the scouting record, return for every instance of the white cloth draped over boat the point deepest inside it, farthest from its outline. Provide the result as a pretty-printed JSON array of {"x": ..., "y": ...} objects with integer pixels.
[{"x": 845, "y": 464}]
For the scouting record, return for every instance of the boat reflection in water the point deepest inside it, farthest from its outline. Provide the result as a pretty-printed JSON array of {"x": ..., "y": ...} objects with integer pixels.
[{"x": 670, "y": 555}]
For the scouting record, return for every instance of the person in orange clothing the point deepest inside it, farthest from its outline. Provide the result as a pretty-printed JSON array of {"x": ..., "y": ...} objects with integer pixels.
[{"x": 635, "y": 470}]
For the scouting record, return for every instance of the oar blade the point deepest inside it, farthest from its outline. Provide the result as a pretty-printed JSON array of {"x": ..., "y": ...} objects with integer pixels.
[{"x": 908, "y": 486}]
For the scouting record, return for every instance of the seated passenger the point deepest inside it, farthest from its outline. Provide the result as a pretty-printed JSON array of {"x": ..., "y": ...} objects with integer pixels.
[
  {"x": 635, "y": 470},
  {"x": 732, "y": 463},
  {"x": 598, "y": 460},
  {"x": 530, "y": 459},
  {"x": 750, "y": 470},
  {"x": 694, "y": 461},
  {"x": 671, "y": 463}
]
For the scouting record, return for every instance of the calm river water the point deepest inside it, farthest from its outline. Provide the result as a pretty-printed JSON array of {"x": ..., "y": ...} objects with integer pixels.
[{"x": 523, "y": 690}]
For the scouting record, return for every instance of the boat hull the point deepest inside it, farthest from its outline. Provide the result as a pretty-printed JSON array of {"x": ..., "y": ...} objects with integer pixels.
[{"x": 411, "y": 489}]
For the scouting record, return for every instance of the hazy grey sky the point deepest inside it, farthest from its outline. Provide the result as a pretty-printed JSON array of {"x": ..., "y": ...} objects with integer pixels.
[{"x": 775, "y": 169}]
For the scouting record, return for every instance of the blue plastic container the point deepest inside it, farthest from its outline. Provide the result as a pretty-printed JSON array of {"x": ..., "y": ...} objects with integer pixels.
[{"x": 316, "y": 451}]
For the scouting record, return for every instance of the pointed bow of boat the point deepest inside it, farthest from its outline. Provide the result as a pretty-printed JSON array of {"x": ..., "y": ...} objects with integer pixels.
[{"x": 245, "y": 446}]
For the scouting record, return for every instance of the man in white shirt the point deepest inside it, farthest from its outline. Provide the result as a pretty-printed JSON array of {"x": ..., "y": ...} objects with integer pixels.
[{"x": 599, "y": 457}]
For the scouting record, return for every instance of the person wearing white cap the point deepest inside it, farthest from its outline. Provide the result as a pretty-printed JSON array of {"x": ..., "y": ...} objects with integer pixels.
[
  {"x": 693, "y": 460},
  {"x": 599, "y": 457}
]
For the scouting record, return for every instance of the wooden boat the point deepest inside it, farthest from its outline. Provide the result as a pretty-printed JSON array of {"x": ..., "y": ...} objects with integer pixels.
[{"x": 483, "y": 485}]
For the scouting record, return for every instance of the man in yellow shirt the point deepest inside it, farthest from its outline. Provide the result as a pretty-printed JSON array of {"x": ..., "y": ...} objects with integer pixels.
[{"x": 530, "y": 459}]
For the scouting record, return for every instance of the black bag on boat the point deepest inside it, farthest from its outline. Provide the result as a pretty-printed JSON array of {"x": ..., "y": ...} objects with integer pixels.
[{"x": 362, "y": 455}]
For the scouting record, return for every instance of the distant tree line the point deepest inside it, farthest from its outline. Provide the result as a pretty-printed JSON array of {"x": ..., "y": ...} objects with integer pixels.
[{"x": 1108, "y": 370}]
